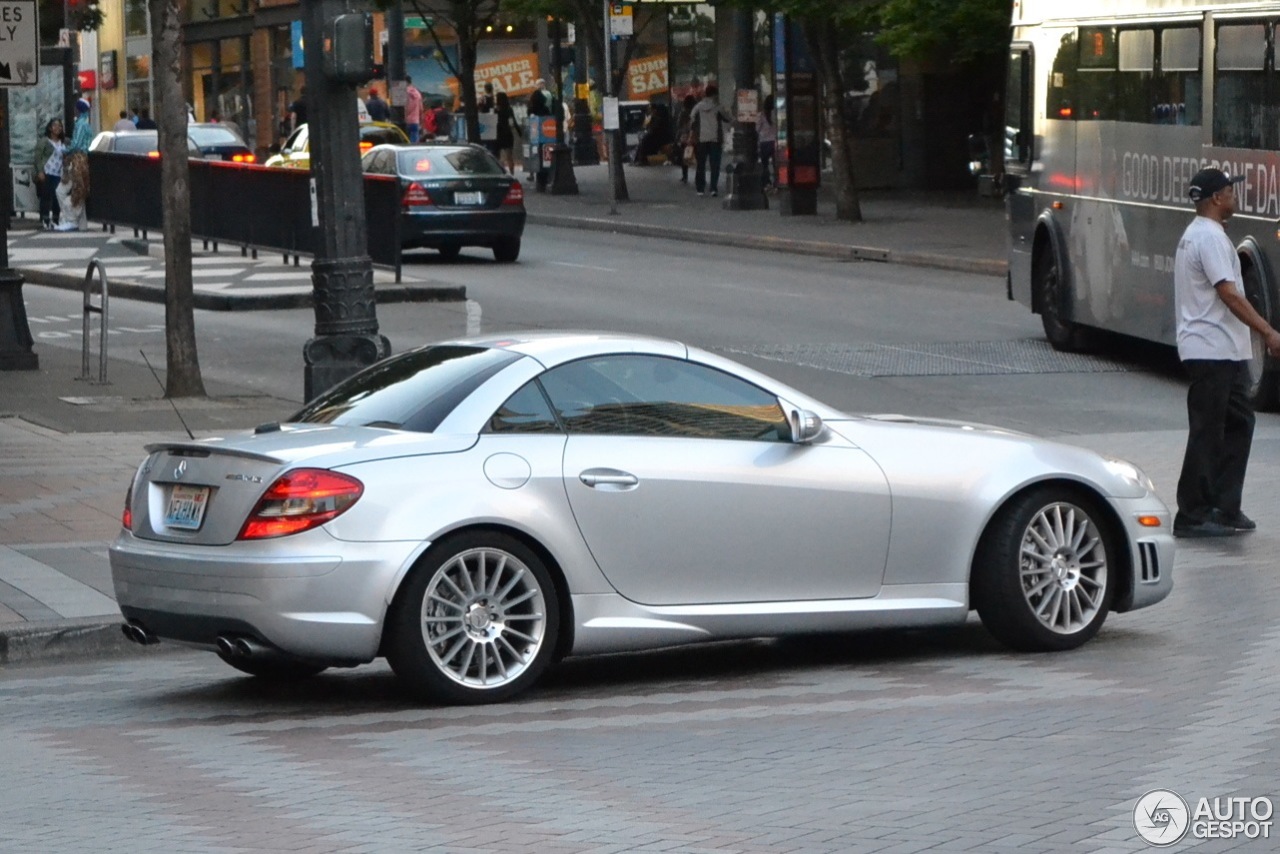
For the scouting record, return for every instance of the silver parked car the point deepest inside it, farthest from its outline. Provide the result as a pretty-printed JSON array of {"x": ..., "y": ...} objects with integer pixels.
[{"x": 475, "y": 510}]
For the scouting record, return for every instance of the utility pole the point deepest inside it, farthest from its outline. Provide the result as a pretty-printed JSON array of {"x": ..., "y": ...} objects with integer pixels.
[
  {"x": 746, "y": 187},
  {"x": 394, "y": 62},
  {"x": 346, "y": 338}
]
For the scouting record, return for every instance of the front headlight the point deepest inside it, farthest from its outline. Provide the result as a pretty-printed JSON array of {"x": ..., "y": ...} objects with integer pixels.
[{"x": 1130, "y": 473}]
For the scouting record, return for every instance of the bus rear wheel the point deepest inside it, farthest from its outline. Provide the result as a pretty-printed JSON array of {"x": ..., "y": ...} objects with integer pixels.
[
  {"x": 1263, "y": 379},
  {"x": 1049, "y": 290}
]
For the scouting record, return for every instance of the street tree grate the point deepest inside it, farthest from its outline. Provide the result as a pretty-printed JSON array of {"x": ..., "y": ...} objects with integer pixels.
[{"x": 949, "y": 359}]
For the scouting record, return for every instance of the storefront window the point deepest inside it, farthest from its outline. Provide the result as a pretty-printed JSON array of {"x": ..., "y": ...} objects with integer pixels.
[
  {"x": 692, "y": 30},
  {"x": 135, "y": 18}
]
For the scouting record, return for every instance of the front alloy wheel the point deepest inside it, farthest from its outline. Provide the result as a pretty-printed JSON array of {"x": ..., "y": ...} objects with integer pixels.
[
  {"x": 477, "y": 625},
  {"x": 1043, "y": 574}
]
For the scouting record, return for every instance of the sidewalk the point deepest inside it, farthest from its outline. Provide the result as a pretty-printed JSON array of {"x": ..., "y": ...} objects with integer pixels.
[
  {"x": 947, "y": 230},
  {"x": 69, "y": 448}
]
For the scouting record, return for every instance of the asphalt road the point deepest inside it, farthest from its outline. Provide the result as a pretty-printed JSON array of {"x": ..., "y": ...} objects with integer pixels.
[
  {"x": 861, "y": 335},
  {"x": 876, "y": 742}
]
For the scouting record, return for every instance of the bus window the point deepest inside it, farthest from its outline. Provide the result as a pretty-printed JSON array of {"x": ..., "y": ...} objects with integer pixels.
[
  {"x": 1245, "y": 111},
  {"x": 1096, "y": 85},
  {"x": 1017, "y": 109},
  {"x": 1180, "y": 83},
  {"x": 1135, "y": 101},
  {"x": 1060, "y": 102}
]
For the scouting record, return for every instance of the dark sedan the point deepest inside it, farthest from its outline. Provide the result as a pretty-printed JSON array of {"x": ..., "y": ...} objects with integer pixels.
[
  {"x": 204, "y": 141},
  {"x": 453, "y": 196}
]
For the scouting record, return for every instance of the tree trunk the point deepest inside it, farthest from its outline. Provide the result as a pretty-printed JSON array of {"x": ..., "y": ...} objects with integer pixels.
[
  {"x": 824, "y": 42},
  {"x": 183, "y": 364},
  {"x": 468, "y": 32}
]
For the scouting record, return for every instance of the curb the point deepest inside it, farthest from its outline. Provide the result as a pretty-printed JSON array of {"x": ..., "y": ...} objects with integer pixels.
[
  {"x": 836, "y": 251},
  {"x": 124, "y": 289},
  {"x": 63, "y": 640}
]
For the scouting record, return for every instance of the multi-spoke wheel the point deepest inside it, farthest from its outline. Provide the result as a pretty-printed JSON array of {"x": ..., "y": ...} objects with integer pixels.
[
  {"x": 477, "y": 622},
  {"x": 1043, "y": 576}
]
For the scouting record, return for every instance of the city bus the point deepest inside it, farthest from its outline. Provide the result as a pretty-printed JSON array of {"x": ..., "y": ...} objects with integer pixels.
[{"x": 1111, "y": 107}]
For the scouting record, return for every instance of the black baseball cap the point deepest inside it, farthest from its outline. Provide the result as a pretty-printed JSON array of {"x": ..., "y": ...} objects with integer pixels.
[{"x": 1209, "y": 181}]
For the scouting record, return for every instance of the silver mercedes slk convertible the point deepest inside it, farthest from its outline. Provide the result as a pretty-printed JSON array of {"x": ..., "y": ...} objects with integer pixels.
[{"x": 476, "y": 509}]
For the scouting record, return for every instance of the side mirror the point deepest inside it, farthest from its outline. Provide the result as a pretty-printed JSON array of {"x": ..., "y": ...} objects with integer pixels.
[{"x": 806, "y": 426}]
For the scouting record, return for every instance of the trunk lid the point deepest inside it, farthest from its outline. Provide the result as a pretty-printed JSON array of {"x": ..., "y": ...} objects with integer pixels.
[{"x": 201, "y": 492}]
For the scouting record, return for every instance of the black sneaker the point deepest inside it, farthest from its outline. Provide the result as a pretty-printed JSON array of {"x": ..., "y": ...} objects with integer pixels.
[
  {"x": 1207, "y": 528},
  {"x": 1236, "y": 521}
]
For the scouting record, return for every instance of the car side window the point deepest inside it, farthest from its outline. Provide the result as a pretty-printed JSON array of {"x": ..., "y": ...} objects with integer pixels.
[
  {"x": 526, "y": 411},
  {"x": 638, "y": 395}
]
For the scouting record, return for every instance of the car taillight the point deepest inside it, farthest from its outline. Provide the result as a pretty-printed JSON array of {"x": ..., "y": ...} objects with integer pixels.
[
  {"x": 154, "y": 155},
  {"x": 365, "y": 145},
  {"x": 300, "y": 500},
  {"x": 515, "y": 196},
  {"x": 415, "y": 196},
  {"x": 243, "y": 158},
  {"x": 126, "y": 518}
]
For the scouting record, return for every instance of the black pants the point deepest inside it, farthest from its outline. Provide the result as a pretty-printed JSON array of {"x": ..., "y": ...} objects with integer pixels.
[
  {"x": 49, "y": 208},
  {"x": 1220, "y": 435},
  {"x": 709, "y": 153}
]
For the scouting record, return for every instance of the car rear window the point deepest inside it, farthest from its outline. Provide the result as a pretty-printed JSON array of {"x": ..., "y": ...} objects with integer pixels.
[
  {"x": 136, "y": 143},
  {"x": 448, "y": 162},
  {"x": 381, "y": 136},
  {"x": 213, "y": 136},
  {"x": 412, "y": 391}
]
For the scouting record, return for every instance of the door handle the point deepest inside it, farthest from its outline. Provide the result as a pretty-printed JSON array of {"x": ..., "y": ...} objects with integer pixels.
[{"x": 608, "y": 477}]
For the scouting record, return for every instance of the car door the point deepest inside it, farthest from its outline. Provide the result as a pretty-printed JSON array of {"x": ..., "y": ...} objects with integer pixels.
[{"x": 687, "y": 488}]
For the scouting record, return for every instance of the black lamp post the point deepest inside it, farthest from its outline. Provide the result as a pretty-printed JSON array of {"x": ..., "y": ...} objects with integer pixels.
[
  {"x": 746, "y": 187},
  {"x": 15, "y": 333},
  {"x": 585, "y": 152},
  {"x": 563, "y": 181},
  {"x": 346, "y": 338}
]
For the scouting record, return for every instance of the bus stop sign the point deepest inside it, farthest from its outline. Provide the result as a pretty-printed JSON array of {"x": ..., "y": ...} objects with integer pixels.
[{"x": 19, "y": 43}]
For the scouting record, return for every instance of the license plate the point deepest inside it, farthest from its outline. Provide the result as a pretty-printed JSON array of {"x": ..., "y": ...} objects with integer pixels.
[
  {"x": 468, "y": 198},
  {"x": 186, "y": 506}
]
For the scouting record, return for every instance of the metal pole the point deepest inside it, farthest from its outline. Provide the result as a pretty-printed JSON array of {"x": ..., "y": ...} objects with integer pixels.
[
  {"x": 614, "y": 165},
  {"x": 746, "y": 184},
  {"x": 394, "y": 60},
  {"x": 563, "y": 181},
  {"x": 15, "y": 335}
]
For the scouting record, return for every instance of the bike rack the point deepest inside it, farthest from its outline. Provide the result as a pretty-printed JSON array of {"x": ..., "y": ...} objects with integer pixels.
[{"x": 90, "y": 308}]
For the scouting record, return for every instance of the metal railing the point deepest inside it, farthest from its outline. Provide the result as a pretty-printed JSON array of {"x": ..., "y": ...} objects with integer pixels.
[{"x": 90, "y": 309}]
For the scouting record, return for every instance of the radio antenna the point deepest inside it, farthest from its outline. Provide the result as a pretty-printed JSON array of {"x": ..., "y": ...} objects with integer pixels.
[{"x": 190, "y": 435}]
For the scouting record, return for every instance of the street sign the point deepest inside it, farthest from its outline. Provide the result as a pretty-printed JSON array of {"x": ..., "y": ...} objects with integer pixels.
[
  {"x": 417, "y": 22},
  {"x": 19, "y": 43},
  {"x": 621, "y": 21}
]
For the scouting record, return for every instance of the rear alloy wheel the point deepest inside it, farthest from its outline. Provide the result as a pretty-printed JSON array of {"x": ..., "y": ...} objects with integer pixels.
[
  {"x": 1043, "y": 576},
  {"x": 476, "y": 623},
  {"x": 506, "y": 250},
  {"x": 281, "y": 669},
  {"x": 449, "y": 253},
  {"x": 1049, "y": 288}
]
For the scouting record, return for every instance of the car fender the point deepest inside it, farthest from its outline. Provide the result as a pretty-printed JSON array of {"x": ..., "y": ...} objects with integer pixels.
[{"x": 947, "y": 482}]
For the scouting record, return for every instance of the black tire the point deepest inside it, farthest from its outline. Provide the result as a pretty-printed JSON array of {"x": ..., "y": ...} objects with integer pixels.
[
  {"x": 280, "y": 669},
  {"x": 1006, "y": 578},
  {"x": 497, "y": 620},
  {"x": 1049, "y": 290},
  {"x": 1264, "y": 389},
  {"x": 449, "y": 253},
  {"x": 506, "y": 250}
]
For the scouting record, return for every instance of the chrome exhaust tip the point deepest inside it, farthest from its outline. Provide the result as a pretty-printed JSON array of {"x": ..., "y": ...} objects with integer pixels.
[
  {"x": 138, "y": 634},
  {"x": 249, "y": 648},
  {"x": 227, "y": 647}
]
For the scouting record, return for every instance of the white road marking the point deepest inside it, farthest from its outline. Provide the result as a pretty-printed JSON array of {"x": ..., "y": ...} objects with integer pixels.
[
  {"x": 584, "y": 266},
  {"x": 473, "y": 317}
]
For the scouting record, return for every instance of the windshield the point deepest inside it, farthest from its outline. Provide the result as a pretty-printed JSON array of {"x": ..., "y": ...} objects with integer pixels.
[
  {"x": 136, "y": 143},
  {"x": 213, "y": 136},
  {"x": 448, "y": 162},
  {"x": 412, "y": 391}
]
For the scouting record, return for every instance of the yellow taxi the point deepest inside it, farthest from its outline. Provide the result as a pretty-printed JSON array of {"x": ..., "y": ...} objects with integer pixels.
[{"x": 296, "y": 152}]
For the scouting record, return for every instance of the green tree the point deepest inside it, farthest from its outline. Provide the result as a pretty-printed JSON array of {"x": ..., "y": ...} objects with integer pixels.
[{"x": 468, "y": 19}]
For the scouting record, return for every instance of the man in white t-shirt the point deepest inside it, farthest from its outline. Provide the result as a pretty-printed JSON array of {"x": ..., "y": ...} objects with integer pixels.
[{"x": 1214, "y": 344}]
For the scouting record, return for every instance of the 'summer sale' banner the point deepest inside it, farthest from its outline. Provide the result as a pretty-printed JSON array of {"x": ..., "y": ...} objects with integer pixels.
[
  {"x": 513, "y": 75},
  {"x": 647, "y": 76}
]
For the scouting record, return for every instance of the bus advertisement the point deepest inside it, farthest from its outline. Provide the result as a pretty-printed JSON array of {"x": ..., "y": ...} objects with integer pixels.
[{"x": 1111, "y": 108}]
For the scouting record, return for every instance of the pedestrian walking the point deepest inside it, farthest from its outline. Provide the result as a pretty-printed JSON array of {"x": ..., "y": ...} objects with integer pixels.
[
  {"x": 1214, "y": 320},
  {"x": 767, "y": 134},
  {"x": 487, "y": 101},
  {"x": 145, "y": 122},
  {"x": 73, "y": 189},
  {"x": 50, "y": 151},
  {"x": 377, "y": 108},
  {"x": 412, "y": 109},
  {"x": 508, "y": 131},
  {"x": 297, "y": 111},
  {"x": 124, "y": 122},
  {"x": 708, "y": 120},
  {"x": 541, "y": 101},
  {"x": 684, "y": 153}
]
